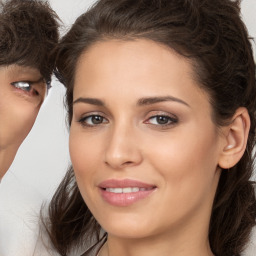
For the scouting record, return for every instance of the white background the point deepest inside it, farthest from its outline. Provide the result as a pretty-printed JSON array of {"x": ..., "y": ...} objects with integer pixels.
[{"x": 43, "y": 158}]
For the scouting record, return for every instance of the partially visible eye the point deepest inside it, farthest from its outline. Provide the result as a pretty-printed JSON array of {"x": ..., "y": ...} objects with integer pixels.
[
  {"x": 162, "y": 120},
  {"x": 93, "y": 120},
  {"x": 25, "y": 86},
  {"x": 48, "y": 87}
]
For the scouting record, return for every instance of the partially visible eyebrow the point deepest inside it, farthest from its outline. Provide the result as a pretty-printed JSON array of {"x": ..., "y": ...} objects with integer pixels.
[
  {"x": 41, "y": 79},
  {"x": 154, "y": 100},
  {"x": 18, "y": 70},
  {"x": 38, "y": 81},
  {"x": 91, "y": 101}
]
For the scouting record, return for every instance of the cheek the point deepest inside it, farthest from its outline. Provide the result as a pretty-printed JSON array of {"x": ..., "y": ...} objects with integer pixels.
[
  {"x": 86, "y": 157},
  {"x": 187, "y": 164},
  {"x": 16, "y": 120},
  {"x": 84, "y": 153},
  {"x": 187, "y": 174}
]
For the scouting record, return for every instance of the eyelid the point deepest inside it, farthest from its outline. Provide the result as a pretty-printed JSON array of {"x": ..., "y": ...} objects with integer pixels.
[
  {"x": 173, "y": 118},
  {"x": 21, "y": 82},
  {"x": 154, "y": 113},
  {"x": 85, "y": 116},
  {"x": 32, "y": 86}
]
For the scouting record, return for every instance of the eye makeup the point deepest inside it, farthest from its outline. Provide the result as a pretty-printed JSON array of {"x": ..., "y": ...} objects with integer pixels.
[
  {"x": 92, "y": 120},
  {"x": 163, "y": 120}
]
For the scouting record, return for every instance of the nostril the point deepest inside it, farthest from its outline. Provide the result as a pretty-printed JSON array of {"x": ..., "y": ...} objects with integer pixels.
[{"x": 127, "y": 163}]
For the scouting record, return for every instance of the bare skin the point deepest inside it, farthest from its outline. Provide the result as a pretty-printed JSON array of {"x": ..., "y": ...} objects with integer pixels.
[
  {"x": 22, "y": 92},
  {"x": 139, "y": 114}
]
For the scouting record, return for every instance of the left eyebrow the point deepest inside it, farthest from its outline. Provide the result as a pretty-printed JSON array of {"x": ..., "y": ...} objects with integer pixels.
[{"x": 154, "y": 100}]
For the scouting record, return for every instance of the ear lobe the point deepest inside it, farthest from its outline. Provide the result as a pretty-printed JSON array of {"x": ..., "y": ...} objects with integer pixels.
[{"x": 236, "y": 135}]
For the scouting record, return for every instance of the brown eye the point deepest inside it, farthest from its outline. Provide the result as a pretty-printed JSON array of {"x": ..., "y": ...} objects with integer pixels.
[
  {"x": 93, "y": 120},
  {"x": 162, "y": 120},
  {"x": 96, "y": 119}
]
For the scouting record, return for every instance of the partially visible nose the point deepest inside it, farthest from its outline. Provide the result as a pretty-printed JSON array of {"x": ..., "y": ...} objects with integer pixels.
[{"x": 123, "y": 149}]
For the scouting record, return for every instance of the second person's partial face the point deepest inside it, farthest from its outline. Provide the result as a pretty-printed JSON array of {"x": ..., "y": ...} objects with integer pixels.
[
  {"x": 22, "y": 91},
  {"x": 142, "y": 142}
]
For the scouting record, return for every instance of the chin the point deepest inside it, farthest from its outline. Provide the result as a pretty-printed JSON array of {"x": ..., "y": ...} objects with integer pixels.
[{"x": 128, "y": 228}]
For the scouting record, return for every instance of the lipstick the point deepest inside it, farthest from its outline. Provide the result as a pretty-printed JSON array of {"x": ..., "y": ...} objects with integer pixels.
[{"x": 124, "y": 192}]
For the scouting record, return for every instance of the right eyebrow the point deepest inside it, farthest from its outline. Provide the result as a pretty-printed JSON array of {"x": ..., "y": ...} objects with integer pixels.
[
  {"x": 40, "y": 80},
  {"x": 91, "y": 101},
  {"x": 154, "y": 100}
]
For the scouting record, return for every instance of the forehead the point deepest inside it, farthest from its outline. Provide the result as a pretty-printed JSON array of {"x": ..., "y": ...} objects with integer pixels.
[
  {"x": 141, "y": 61},
  {"x": 15, "y": 70},
  {"x": 129, "y": 70}
]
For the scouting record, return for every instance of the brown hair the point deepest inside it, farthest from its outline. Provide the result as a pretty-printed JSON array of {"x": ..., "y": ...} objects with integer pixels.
[
  {"x": 212, "y": 35},
  {"x": 28, "y": 34}
]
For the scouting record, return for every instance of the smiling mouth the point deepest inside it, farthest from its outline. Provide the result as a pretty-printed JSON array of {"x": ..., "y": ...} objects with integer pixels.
[{"x": 126, "y": 190}]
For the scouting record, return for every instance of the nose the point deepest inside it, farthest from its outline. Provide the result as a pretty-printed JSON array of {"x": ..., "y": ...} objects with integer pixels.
[{"x": 122, "y": 150}]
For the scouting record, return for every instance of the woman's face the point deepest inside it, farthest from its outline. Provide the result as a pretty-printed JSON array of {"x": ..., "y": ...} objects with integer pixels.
[
  {"x": 22, "y": 91},
  {"x": 144, "y": 148}
]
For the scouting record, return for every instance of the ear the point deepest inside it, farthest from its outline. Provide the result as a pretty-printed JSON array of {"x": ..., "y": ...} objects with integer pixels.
[{"x": 235, "y": 139}]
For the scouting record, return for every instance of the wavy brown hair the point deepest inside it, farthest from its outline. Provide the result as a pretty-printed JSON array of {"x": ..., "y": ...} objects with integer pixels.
[
  {"x": 28, "y": 35},
  {"x": 213, "y": 37}
]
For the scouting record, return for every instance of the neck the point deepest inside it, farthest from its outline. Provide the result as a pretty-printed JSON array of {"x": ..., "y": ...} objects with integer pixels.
[
  {"x": 115, "y": 247},
  {"x": 176, "y": 244},
  {"x": 6, "y": 158}
]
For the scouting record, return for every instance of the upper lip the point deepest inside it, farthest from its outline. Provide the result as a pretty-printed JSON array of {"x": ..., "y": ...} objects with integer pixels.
[{"x": 124, "y": 183}]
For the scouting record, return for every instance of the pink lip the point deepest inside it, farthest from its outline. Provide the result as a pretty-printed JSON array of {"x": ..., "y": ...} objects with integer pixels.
[{"x": 125, "y": 199}]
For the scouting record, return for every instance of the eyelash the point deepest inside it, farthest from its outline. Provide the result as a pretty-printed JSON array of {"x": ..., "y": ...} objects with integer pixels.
[
  {"x": 170, "y": 120},
  {"x": 83, "y": 120},
  {"x": 25, "y": 86}
]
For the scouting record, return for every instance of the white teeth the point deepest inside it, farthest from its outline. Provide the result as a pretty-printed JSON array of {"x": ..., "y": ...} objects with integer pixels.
[
  {"x": 135, "y": 189},
  {"x": 115, "y": 190},
  {"x": 125, "y": 190}
]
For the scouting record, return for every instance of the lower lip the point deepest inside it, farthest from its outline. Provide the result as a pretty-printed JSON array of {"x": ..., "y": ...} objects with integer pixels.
[{"x": 124, "y": 199}]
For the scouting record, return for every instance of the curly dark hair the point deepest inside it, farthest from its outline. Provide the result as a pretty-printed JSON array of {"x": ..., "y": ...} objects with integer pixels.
[
  {"x": 28, "y": 35},
  {"x": 212, "y": 35}
]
